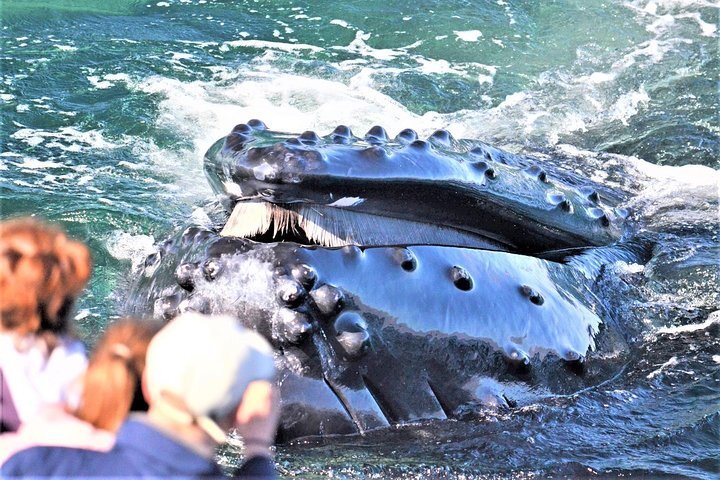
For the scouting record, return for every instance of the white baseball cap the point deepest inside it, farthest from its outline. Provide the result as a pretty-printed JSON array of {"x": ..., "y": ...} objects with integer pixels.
[{"x": 198, "y": 367}]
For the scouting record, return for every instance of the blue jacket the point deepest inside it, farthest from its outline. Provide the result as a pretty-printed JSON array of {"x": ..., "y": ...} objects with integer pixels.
[{"x": 140, "y": 451}]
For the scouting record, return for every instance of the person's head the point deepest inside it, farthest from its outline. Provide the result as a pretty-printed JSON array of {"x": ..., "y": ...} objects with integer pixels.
[
  {"x": 41, "y": 274},
  {"x": 111, "y": 385},
  {"x": 198, "y": 367}
]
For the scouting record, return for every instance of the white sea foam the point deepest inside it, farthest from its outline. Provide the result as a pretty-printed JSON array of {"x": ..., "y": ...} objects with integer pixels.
[
  {"x": 205, "y": 111},
  {"x": 485, "y": 79},
  {"x": 204, "y": 44},
  {"x": 560, "y": 103},
  {"x": 667, "y": 12},
  {"x": 598, "y": 77},
  {"x": 72, "y": 139},
  {"x": 263, "y": 45},
  {"x": 662, "y": 23},
  {"x": 628, "y": 105},
  {"x": 130, "y": 165},
  {"x": 425, "y": 65},
  {"x": 359, "y": 47},
  {"x": 22, "y": 183},
  {"x": 183, "y": 165},
  {"x": 200, "y": 217},
  {"x": 337, "y": 21},
  {"x": 468, "y": 35},
  {"x": 688, "y": 175},
  {"x": 124, "y": 40},
  {"x": 36, "y": 164},
  {"x": 177, "y": 56},
  {"x": 85, "y": 179},
  {"x": 707, "y": 29},
  {"x": 125, "y": 246},
  {"x": 670, "y": 363},
  {"x": 99, "y": 84},
  {"x": 712, "y": 319}
]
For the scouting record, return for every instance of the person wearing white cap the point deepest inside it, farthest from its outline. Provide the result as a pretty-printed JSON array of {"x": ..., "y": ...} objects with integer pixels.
[{"x": 203, "y": 376}]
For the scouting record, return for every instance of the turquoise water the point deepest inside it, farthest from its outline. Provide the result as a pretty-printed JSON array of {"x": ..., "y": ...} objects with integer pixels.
[{"x": 107, "y": 108}]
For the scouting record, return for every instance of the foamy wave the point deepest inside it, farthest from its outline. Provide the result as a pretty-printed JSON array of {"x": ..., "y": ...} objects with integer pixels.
[
  {"x": 562, "y": 103},
  {"x": 124, "y": 246},
  {"x": 628, "y": 105},
  {"x": 31, "y": 163},
  {"x": 182, "y": 165},
  {"x": 264, "y": 45},
  {"x": 200, "y": 217},
  {"x": 67, "y": 138},
  {"x": 712, "y": 319},
  {"x": 468, "y": 35},
  {"x": 674, "y": 196},
  {"x": 342, "y": 23},
  {"x": 673, "y": 361},
  {"x": 424, "y": 65},
  {"x": 667, "y": 15},
  {"x": 205, "y": 111},
  {"x": 359, "y": 47}
]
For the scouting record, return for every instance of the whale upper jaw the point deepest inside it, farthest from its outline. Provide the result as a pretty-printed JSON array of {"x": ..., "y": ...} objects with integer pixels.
[{"x": 342, "y": 190}]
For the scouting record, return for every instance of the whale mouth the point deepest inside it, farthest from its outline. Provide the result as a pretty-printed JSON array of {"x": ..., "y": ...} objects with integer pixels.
[{"x": 328, "y": 226}]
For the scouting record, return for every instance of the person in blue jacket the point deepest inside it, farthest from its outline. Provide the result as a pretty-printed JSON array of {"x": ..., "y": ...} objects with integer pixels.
[{"x": 203, "y": 376}]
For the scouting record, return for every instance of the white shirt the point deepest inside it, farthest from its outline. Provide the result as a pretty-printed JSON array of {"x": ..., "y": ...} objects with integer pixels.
[{"x": 37, "y": 380}]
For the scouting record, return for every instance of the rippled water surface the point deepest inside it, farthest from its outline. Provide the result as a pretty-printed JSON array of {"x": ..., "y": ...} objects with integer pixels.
[{"x": 108, "y": 107}]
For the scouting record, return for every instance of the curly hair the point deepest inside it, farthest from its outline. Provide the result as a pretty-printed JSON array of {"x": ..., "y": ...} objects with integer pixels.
[
  {"x": 111, "y": 386},
  {"x": 42, "y": 272}
]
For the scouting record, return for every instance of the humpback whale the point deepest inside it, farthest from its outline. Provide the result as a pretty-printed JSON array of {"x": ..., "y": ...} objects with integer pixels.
[{"x": 402, "y": 279}]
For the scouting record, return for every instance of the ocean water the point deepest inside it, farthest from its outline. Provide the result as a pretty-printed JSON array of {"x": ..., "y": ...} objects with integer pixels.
[{"x": 108, "y": 107}]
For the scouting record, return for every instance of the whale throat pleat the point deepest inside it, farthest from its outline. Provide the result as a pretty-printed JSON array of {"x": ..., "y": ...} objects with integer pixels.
[{"x": 337, "y": 227}]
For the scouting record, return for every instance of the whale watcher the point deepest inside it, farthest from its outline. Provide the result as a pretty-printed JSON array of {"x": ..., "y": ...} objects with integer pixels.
[
  {"x": 112, "y": 383},
  {"x": 204, "y": 375},
  {"x": 42, "y": 272},
  {"x": 111, "y": 389}
]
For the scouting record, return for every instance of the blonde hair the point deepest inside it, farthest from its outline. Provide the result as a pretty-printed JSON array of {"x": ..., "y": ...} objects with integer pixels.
[
  {"x": 42, "y": 272},
  {"x": 112, "y": 381}
]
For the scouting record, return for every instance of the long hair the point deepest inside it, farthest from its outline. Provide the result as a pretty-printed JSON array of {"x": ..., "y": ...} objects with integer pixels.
[
  {"x": 112, "y": 381},
  {"x": 41, "y": 274}
]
